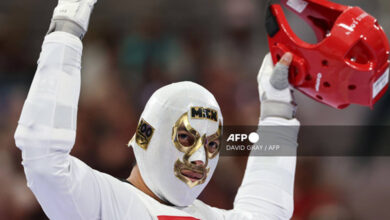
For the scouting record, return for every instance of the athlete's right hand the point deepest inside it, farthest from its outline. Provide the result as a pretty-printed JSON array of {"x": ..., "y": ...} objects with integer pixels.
[{"x": 72, "y": 16}]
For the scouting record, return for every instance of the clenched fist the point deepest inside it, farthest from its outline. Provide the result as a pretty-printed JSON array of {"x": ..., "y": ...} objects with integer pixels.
[{"x": 274, "y": 89}]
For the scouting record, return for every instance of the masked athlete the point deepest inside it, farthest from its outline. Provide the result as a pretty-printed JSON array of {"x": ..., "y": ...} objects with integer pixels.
[{"x": 176, "y": 144}]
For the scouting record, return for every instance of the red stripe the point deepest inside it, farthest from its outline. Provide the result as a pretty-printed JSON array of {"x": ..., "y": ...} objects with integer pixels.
[{"x": 166, "y": 217}]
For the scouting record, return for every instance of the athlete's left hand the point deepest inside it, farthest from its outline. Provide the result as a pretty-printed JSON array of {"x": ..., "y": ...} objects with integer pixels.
[{"x": 274, "y": 89}]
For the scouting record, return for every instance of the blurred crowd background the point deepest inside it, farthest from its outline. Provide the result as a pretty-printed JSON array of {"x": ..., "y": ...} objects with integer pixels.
[{"x": 133, "y": 48}]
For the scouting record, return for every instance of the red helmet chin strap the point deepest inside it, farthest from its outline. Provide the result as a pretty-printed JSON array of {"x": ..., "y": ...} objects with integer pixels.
[{"x": 348, "y": 65}]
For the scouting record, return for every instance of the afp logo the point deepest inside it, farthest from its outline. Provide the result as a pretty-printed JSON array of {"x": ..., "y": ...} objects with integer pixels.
[{"x": 252, "y": 137}]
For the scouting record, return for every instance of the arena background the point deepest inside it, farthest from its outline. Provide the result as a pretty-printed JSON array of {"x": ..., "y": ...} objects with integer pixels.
[{"x": 134, "y": 47}]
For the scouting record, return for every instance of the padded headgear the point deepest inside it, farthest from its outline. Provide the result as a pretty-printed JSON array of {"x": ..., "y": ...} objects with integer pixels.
[{"x": 348, "y": 65}]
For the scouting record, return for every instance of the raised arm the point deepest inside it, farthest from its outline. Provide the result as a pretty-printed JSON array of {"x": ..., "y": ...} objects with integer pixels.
[
  {"x": 267, "y": 188},
  {"x": 65, "y": 187}
]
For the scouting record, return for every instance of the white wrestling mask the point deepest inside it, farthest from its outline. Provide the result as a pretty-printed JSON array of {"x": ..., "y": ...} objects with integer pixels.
[{"x": 177, "y": 142}]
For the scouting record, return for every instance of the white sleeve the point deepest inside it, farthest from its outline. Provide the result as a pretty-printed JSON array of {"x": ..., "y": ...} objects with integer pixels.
[
  {"x": 65, "y": 187},
  {"x": 267, "y": 188}
]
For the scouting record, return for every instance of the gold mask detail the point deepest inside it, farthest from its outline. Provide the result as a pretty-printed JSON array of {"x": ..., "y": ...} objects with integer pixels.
[
  {"x": 189, "y": 148},
  {"x": 143, "y": 134}
]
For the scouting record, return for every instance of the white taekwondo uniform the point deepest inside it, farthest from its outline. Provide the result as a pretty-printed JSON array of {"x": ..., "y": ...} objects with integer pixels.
[{"x": 67, "y": 188}]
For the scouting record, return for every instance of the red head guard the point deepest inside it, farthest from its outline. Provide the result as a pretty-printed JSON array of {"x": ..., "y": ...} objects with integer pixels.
[{"x": 348, "y": 65}]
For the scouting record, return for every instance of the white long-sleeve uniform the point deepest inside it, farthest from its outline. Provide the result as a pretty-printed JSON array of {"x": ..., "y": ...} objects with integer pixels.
[{"x": 68, "y": 189}]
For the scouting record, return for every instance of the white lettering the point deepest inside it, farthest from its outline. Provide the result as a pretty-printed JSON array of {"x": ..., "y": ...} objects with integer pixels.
[
  {"x": 237, "y": 137},
  {"x": 318, "y": 82},
  {"x": 380, "y": 84}
]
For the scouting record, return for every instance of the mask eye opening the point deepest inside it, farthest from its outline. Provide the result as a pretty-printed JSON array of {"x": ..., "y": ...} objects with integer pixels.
[
  {"x": 184, "y": 137},
  {"x": 217, "y": 138},
  {"x": 212, "y": 145}
]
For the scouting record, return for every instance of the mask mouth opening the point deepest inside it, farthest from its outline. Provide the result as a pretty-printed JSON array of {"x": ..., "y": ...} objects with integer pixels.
[{"x": 192, "y": 174}]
